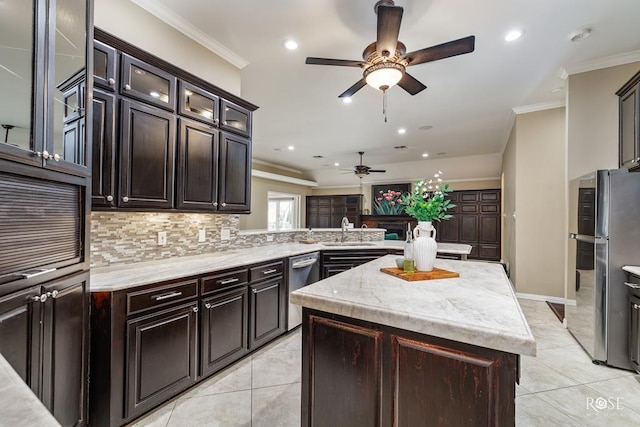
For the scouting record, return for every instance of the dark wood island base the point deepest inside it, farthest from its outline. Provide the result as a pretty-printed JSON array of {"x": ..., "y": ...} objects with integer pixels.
[{"x": 359, "y": 373}]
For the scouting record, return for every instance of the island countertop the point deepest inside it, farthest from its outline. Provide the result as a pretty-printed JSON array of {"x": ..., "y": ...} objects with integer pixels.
[{"x": 479, "y": 307}]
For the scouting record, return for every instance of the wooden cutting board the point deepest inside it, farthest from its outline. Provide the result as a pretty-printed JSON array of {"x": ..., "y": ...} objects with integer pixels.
[{"x": 436, "y": 273}]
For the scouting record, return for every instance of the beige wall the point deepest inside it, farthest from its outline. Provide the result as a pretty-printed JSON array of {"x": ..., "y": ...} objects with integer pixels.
[
  {"x": 592, "y": 117},
  {"x": 509, "y": 204},
  {"x": 260, "y": 187},
  {"x": 133, "y": 24}
]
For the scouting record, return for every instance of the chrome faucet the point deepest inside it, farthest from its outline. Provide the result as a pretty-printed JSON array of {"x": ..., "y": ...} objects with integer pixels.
[
  {"x": 362, "y": 227},
  {"x": 343, "y": 226}
]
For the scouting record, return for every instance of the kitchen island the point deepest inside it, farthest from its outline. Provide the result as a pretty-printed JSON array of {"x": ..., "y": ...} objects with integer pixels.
[{"x": 381, "y": 351}]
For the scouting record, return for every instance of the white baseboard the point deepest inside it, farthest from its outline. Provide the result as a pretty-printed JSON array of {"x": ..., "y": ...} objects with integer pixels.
[{"x": 536, "y": 297}]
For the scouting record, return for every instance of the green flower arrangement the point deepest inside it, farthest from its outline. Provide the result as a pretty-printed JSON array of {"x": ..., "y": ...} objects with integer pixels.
[
  {"x": 388, "y": 203},
  {"x": 428, "y": 200}
]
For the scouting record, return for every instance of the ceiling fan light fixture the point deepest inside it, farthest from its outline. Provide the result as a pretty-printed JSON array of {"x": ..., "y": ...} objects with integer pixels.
[
  {"x": 384, "y": 75},
  {"x": 361, "y": 175}
]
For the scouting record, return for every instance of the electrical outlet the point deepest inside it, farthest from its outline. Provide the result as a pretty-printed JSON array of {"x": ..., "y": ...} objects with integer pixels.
[
  {"x": 162, "y": 238},
  {"x": 202, "y": 236},
  {"x": 269, "y": 237},
  {"x": 225, "y": 233}
]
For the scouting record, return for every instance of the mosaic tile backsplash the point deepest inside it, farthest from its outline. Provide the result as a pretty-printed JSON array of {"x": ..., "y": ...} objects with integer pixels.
[{"x": 128, "y": 237}]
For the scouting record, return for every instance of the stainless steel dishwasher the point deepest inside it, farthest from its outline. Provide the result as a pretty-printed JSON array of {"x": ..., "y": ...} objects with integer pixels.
[{"x": 303, "y": 270}]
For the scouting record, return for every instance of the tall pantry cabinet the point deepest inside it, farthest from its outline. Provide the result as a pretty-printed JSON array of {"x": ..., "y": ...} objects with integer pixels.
[{"x": 45, "y": 200}]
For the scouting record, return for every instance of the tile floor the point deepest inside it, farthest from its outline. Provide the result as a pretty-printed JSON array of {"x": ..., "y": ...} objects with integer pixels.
[{"x": 559, "y": 387}]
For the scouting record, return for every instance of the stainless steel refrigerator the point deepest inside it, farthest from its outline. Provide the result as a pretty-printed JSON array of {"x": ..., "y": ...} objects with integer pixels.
[{"x": 604, "y": 222}]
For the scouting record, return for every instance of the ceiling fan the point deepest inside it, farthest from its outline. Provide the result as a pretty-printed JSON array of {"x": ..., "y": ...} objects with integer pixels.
[
  {"x": 386, "y": 60},
  {"x": 362, "y": 170}
]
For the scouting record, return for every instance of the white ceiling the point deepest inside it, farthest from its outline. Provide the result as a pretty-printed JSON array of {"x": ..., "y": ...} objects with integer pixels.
[{"x": 468, "y": 100}]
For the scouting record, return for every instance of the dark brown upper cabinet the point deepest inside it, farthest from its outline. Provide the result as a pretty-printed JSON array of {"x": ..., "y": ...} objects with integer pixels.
[
  {"x": 235, "y": 174},
  {"x": 198, "y": 104},
  {"x": 104, "y": 66},
  {"x": 41, "y": 93},
  {"x": 104, "y": 154},
  {"x": 235, "y": 118},
  {"x": 197, "y": 177},
  {"x": 629, "y": 123},
  {"x": 147, "y": 83},
  {"x": 147, "y": 156}
]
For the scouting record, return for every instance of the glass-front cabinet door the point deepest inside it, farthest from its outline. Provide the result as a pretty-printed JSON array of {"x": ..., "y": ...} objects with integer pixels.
[
  {"x": 147, "y": 83},
  {"x": 235, "y": 118},
  {"x": 104, "y": 66},
  {"x": 198, "y": 103},
  {"x": 43, "y": 94},
  {"x": 17, "y": 32}
]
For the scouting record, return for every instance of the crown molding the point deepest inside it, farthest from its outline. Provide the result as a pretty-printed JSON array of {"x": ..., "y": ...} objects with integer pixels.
[
  {"x": 171, "y": 18},
  {"x": 283, "y": 178},
  {"x": 274, "y": 165},
  {"x": 597, "y": 64},
  {"x": 539, "y": 107}
]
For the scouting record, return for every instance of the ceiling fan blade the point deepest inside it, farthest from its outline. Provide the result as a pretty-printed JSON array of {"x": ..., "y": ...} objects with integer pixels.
[
  {"x": 339, "y": 62},
  {"x": 389, "y": 19},
  {"x": 353, "y": 89},
  {"x": 377, "y": 170},
  {"x": 411, "y": 84},
  {"x": 441, "y": 51}
]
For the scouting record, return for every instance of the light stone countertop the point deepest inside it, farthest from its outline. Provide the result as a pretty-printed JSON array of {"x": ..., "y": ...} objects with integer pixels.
[
  {"x": 123, "y": 276},
  {"x": 479, "y": 307},
  {"x": 19, "y": 407},
  {"x": 632, "y": 269}
]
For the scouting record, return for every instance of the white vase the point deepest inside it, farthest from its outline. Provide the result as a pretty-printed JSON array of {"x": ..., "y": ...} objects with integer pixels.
[{"x": 425, "y": 247}]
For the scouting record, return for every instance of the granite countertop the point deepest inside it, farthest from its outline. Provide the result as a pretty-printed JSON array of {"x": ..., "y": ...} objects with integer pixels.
[
  {"x": 632, "y": 269},
  {"x": 479, "y": 307},
  {"x": 18, "y": 405},
  {"x": 123, "y": 276}
]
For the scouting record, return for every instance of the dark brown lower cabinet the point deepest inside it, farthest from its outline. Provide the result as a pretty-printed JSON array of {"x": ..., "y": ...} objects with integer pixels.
[
  {"x": 224, "y": 329},
  {"x": 160, "y": 357},
  {"x": 44, "y": 336},
  {"x": 366, "y": 374},
  {"x": 268, "y": 311}
]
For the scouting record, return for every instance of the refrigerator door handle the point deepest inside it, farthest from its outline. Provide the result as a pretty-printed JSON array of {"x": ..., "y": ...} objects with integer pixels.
[{"x": 632, "y": 285}]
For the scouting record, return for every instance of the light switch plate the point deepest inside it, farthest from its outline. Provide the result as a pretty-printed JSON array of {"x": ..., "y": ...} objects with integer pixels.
[
  {"x": 162, "y": 238},
  {"x": 202, "y": 236},
  {"x": 225, "y": 233}
]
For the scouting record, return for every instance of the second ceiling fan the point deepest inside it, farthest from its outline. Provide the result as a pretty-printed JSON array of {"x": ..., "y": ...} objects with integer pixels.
[{"x": 385, "y": 60}]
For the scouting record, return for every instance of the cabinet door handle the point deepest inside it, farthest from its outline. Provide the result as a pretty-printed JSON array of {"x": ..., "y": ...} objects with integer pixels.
[
  {"x": 255, "y": 291},
  {"x": 632, "y": 285},
  {"x": 167, "y": 296},
  {"x": 33, "y": 273},
  {"x": 227, "y": 281},
  {"x": 44, "y": 154},
  {"x": 53, "y": 294},
  {"x": 224, "y": 205},
  {"x": 109, "y": 198},
  {"x": 40, "y": 298},
  {"x": 207, "y": 305},
  {"x": 56, "y": 157},
  {"x": 125, "y": 199},
  {"x": 215, "y": 204},
  {"x": 127, "y": 87},
  {"x": 111, "y": 81},
  {"x": 270, "y": 271},
  {"x": 635, "y": 306},
  {"x": 195, "y": 309}
]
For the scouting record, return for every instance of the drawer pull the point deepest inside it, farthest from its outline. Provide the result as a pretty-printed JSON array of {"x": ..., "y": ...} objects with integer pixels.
[
  {"x": 270, "y": 271},
  {"x": 227, "y": 281},
  {"x": 354, "y": 258},
  {"x": 207, "y": 305},
  {"x": 632, "y": 285},
  {"x": 167, "y": 296}
]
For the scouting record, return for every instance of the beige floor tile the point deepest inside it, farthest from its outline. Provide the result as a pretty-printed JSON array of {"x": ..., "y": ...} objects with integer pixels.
[
  {"x": 278, "y": 368},
  {"x": 290, "y": 342},
  {"x": 158, "y": 418},
  {"x": 219, "y": 410},
  {"x": 626, "y": 389},
  {"x": 531, "y": 411},
  {"x": 276, "y": 406},
  {"x": 236, "y": 377},
  {"x": 536, "y": 376}
]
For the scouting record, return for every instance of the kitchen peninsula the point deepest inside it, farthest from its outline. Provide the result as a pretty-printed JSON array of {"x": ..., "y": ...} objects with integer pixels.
[{"x": 381, "y": 351}]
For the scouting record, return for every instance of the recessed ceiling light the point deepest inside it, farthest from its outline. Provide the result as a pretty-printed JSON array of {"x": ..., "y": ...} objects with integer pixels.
[
  {"x": 402, "y": 131},
  {"x": 336, "y": 164},
  {"x": 291, "y": 148},
  {"x": 513, "y": 35},
  {"x": 425, "y": 155},
  {"x": 425, "y": 127},
  {"x": 580, "y": 34},
  {"x": 346, "y": 100},
  {"x": 290, "y": 44}
]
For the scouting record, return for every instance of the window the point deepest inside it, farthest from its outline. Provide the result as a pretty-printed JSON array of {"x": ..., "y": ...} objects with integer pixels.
[{"x": 284, "y": 211}]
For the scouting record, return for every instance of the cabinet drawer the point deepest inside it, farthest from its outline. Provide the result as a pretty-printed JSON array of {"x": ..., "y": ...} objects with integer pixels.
[
  {"x": 224, "y": 280},
  {"x": 161, "y": 296},
  {"x": 267, "y": 270}
]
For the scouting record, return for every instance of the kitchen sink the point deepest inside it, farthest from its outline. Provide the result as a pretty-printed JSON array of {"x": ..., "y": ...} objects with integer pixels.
[{"x": 349, "y": 244}]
